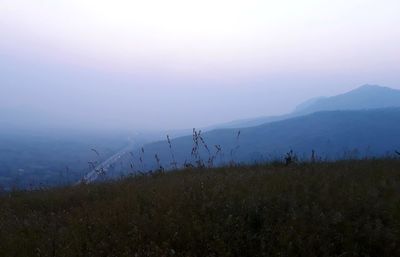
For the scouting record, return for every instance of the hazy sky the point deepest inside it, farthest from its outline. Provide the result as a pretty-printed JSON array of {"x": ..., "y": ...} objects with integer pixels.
[{"x": 183, "y": 63}]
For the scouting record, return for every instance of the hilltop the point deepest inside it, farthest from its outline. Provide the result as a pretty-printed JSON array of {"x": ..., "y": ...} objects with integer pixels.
[{"x": 346, "y": 208}]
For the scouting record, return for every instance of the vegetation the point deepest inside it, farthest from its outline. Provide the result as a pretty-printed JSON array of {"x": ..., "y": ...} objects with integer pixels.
[{"x": 345, "y": 208}]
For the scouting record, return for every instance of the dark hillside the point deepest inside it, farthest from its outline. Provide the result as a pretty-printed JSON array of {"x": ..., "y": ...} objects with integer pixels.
[
  {"x": 332, "y": 135},
  {"x": 347, "y": 208}
]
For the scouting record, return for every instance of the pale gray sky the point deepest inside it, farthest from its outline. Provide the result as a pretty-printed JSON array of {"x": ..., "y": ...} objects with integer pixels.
[{"x": 176, "y": 64}]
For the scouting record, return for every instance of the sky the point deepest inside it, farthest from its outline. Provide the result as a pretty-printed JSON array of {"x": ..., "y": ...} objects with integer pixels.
[{"x": 159, "y": 64}]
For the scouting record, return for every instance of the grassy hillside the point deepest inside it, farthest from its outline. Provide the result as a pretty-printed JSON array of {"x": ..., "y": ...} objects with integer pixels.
[{"x": 347, "y": 208}]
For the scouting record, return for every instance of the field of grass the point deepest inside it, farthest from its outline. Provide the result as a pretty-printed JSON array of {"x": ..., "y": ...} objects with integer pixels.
[{"x": 346, "y": 208}]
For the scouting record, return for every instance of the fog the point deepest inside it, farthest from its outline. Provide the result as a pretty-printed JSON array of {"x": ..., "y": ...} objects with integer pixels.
[{"x": 90, "y": 66}]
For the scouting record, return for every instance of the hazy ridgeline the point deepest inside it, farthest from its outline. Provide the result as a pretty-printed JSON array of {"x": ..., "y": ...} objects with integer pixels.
[
  {"x": 325, "y": 135},
  {"x": 345, "y": 208},
  {"x": 362, "y": 123}
]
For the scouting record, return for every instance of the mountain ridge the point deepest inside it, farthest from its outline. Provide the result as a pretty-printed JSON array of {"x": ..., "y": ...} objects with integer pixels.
[
  {"x": 331, "y": 134},
  {"x": 361, "y": 95}
]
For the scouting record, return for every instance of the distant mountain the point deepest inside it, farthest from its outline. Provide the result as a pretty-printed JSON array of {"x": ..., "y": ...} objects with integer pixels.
[
  {"x": 362, "y": 98},
  {"x": 332, "y": 134},
  {"x": 251, "y": 122},
  {"x": 307, "y": 104}
]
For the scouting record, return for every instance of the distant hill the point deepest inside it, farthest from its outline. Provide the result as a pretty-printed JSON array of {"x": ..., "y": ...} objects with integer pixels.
[
  {"x": 332, "y": 134},
  {"x": 362, "y": 98},
  {"x": 251, "y": 122}
]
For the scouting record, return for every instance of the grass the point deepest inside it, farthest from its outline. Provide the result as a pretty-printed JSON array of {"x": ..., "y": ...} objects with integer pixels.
[{"x": 346, "y": 208}]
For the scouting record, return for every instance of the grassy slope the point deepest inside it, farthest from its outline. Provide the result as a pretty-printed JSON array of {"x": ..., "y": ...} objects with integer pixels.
[{"x": 349, "y": 208}]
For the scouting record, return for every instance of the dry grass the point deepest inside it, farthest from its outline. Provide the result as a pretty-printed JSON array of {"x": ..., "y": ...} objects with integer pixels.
[{"x": 348, "y": 208}]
